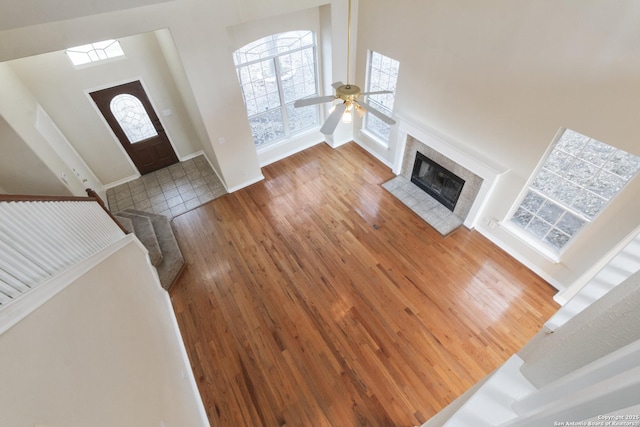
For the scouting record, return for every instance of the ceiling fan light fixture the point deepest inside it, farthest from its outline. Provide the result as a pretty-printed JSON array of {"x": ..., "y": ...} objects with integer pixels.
[
  {"x": 347, "y": 97},
  {"x": 347, "y": 117}
]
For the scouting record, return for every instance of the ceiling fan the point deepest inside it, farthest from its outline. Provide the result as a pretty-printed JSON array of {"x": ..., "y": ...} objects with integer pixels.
[{"x": 348, "y": 94}]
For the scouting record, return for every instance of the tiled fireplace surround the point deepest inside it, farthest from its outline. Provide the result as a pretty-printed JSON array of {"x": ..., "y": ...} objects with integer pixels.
[{"x": 480, "y": 179}]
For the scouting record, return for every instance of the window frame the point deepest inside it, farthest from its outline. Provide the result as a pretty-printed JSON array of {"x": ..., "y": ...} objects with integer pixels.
[
  {"x": 92, "y": 48},
  {"x": 366, "y": 129},
  {"x": 133, "y": 135},
  {"x": 546, "y": 249},
  {"x": 283, "y": 105}
]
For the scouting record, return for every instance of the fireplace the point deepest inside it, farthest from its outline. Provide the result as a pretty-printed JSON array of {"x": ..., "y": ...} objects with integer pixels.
[
  {"x": 442, "y": 184},
  {"x": 470, "y": 178}
]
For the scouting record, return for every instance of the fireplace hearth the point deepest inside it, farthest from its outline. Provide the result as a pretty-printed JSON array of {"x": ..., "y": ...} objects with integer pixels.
[
  {"x": 442, "y": 184},
  {"x": 461, "y": 190}
]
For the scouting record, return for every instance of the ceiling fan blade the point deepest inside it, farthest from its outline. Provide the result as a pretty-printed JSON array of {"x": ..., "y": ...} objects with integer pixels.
[
  {"x": 312, "y": 101},
  {"x": 380, "y": 92},
  {"x": 336, "y": 85},
  {"x": 334, "y": 118},
  {"x": 388, "y": 120}
]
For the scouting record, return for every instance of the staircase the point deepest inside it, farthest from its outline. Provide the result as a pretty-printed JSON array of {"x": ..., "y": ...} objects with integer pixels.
[
  {"x": 155, "y": 233},
  {"x": 621, "y": 266}
]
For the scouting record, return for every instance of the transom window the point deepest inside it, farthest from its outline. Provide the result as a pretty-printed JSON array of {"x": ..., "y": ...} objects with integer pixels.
[
  {"x": 576, "y": 181},
  {"x": 273, "y": 72},
  {"x": 94, "y": 52},
  {"x": 382, "y": 74}
]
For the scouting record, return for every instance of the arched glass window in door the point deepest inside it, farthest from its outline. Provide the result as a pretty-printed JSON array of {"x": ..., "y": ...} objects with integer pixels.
[{"x": 132, "y": 117}]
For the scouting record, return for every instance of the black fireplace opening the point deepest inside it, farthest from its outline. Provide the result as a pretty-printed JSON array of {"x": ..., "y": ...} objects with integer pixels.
[{"x": 442, "y": 184}]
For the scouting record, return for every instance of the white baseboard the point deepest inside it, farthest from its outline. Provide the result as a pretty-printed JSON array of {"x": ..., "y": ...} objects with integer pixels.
[
  {"x": 265, "y": 160},
  {"x": 122, "y": 181},
  {"x": 193, "y": 156},
  {"x": 187, "y": 372},
  {"x": 373, "y": 153},
  {"x": 519, "y": 257},
  {"x": 212, "y": 168},
  {"x": 245, "y": 184}
]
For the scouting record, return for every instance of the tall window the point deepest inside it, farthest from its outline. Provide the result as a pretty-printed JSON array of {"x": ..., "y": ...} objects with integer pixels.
[
  {"x": 94, "y": 52},
  {"x": 382, "y": 74},
  {"x": 273, "y": 72},
  {"x": 577, "y": 180}
]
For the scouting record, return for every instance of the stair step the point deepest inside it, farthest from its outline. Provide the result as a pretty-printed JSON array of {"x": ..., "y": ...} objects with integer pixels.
[
  {"x": 173, "y": 261},
  {"x": 491, "y": 404},
  {"x": 144, "y": 231},
  {"x": 125, "y": 222}
]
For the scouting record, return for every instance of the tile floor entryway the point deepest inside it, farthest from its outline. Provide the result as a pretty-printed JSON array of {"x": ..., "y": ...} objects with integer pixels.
[{"x": 169, "y": 191}]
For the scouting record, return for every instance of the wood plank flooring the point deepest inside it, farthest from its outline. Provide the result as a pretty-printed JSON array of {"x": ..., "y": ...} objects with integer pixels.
[{"x": 315, "y": 298}]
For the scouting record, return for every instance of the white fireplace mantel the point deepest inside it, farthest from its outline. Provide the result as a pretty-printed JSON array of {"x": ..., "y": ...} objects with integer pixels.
[{"x": 490, "y": 173}]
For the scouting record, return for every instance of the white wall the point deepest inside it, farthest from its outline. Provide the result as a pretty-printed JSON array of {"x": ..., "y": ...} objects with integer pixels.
[
  {"x": 83, "y": 177},
  {"x": 175, "y": 67},
  {"x": 29, "y": 175},
  {"x": 502, "y": 77},
  {"x": 25, "y": 171},
  {"x": 62, "y": 89},
  {"x": 103, "y": 352},
  {"x": 24, "y": 14},
  {"x": 608, "y": 324}
]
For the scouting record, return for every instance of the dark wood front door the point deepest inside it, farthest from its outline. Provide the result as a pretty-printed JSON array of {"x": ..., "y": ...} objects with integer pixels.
[{"x": 133, "y": 120}]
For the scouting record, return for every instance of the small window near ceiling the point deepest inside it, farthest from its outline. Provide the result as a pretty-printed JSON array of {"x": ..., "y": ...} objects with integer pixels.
[
  {"x": 94, "y": 52},
  {"x": 382, "y": 74},
  {"x": 576, "y": 181},
  {"x": 273, "y": 72}
]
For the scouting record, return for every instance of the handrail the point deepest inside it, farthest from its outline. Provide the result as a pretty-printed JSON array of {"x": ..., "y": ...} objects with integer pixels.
[
  {"x": 41, "y": 237},
  {"x": 33, "y": 198},
  {"x": 93, "y": 195}
]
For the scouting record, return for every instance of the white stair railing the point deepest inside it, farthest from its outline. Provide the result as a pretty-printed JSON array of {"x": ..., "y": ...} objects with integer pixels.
[
  {"x": 622, "y": 266},
  {"x": 41, "y": 238},
  {"x": 607, "y": 385}
]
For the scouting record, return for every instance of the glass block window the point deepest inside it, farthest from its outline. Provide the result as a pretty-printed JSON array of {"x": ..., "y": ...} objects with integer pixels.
[
  {"x": 94, "y": 52},
  {"x": 382, "y": 74},
  {"x": 273, "y": 72},
  {"x": 132, "y": 117},
  {"x": 576, "y": 181}
]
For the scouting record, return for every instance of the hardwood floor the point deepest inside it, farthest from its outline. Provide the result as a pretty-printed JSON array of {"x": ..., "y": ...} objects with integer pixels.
[{"x": 315, "y": 298}]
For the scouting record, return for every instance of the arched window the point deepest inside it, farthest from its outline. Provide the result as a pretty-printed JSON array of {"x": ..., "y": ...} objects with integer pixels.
[
  {"x": 273, "y": 72},
  {"x": 132, "y": 117}
]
